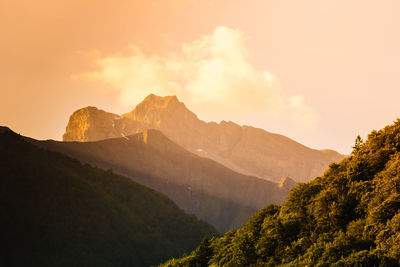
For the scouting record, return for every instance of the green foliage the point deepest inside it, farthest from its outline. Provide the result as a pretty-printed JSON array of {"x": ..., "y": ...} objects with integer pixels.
[
  {"x": 57, "y": 212},
  {"x": 348, "y": 217}
]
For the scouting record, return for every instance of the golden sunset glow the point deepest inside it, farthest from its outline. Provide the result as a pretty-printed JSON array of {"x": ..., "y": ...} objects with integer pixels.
[
  {"x": 212, "y": 75},
  {"x": 304, "y": 69}
]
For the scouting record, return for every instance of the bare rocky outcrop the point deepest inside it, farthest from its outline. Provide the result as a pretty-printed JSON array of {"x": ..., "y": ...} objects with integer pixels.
[{"x": 93, "y": 124}]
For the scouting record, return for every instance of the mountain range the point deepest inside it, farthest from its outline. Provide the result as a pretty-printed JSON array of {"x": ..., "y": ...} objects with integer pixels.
[
  {"x": 244, "y": 149},
  {"x": 105, "y": 195}
]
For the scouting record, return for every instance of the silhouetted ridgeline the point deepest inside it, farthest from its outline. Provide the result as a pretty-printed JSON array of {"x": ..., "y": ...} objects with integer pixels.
[
  {"x": 198, "y": 185},
  {"x": 57, "y": 212},
  {"x": 348, "y": 217}
]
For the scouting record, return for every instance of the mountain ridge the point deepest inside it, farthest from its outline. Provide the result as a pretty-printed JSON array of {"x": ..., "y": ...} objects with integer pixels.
[
  {"x": 245, "y": 149},
  {"x": 198, "y": 185}
]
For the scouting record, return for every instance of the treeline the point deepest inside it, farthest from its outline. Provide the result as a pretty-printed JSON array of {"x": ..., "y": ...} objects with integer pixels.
[{"x": 348, "y": 217}]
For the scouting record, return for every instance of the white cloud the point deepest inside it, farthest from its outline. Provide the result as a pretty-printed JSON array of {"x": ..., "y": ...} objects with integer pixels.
[{"x": 212, "y": 75}]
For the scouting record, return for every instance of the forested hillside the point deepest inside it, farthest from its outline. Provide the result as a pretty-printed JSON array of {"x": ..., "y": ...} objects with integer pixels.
[
  {"x": 198, "y": 185},
  {"x": 57, "y": 212},
  {"x": 348, "y": 217}
]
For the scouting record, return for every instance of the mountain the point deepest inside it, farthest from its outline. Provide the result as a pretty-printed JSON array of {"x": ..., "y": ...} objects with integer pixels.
[
  {"x": 348, "y": 217},
  {"x": 198, "y": 185},
  {"x": 58, "y": 212},
  {"x": 244, "y": 149},
  {"x": 92, "y": 124}
]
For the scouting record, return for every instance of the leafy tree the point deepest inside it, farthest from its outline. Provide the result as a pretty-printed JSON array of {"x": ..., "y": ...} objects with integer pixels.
[{"x": 357, "y": 144}]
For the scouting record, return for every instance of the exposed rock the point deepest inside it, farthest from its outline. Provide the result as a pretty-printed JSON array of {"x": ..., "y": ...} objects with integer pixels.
[{"x": 92, "y": 124}]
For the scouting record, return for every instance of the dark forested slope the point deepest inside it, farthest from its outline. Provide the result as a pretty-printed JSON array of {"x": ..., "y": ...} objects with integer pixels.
[
  {"x": 57, "y": 212},
  {"x": 348, "y": 217},
  {"x": 198, "y": 185}
]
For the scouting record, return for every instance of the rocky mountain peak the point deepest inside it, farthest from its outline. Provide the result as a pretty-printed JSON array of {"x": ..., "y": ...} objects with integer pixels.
[
  {"x": 92, "y": 124},
  {"x": 152, "y": 98},
  {"x": 91, "y": 112},
  {"x": 155, "y": 102},
  {"x": 154, "y": 109},
  {"x": 244, "y": 149},
  {"x": 87, "y": 121}
]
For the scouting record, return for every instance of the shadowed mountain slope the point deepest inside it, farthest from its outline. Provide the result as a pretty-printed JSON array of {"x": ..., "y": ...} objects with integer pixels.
[
  {"x": 199, "y": 185},
  {"x": 58, "y": 212},
  {"x": 244, "y": 149}
]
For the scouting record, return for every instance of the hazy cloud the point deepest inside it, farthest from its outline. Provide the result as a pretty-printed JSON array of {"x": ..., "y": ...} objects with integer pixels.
[{"x": 212, "y": 75}]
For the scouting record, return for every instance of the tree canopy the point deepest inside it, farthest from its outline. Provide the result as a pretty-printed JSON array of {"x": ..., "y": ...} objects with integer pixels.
[{"x": 347, "y": 217}]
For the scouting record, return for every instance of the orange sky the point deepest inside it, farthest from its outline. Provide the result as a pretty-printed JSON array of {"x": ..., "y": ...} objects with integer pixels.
[{"x": 334, "y": 64}]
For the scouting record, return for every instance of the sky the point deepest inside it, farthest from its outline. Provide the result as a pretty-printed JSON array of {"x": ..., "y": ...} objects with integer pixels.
[{"x": 319, "y": 72}]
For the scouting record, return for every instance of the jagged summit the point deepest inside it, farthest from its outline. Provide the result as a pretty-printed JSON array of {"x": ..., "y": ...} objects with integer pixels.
[
  {"x": 156, "y": 109},
  {"x": 153, "y": 97},
  {"x": 245, "y": 149},
  {"x": 159, "y": 102}
]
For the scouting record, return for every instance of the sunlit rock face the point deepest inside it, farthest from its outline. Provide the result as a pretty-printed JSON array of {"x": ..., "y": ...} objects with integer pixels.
[
  {"x": 245, "y": 149},
  {"x": 92, "y": 124}
]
